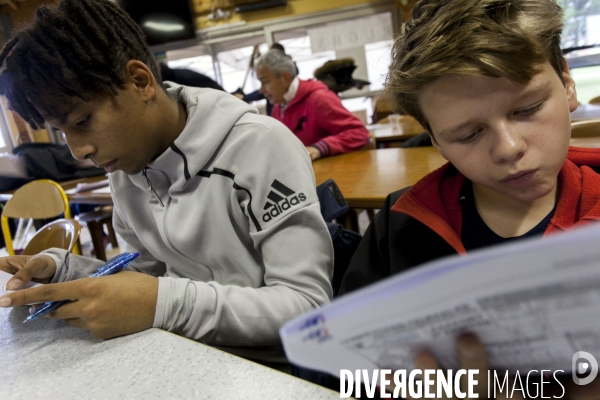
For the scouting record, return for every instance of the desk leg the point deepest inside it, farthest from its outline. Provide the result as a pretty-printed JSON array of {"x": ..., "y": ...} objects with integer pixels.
[
  {"x": 96, "y": 234},
  {"x": 349, "y": 220}
]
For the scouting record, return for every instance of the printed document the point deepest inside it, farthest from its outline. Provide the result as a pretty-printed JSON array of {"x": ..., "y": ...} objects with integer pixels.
[
  {"x": 5, "y": 277},
  {"x": 533, "y": 303}
]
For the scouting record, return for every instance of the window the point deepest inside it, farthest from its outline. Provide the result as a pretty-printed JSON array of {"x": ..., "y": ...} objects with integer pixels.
[
  {"x": 582, "y": 23},
  {"x": 587, "y": 82},
  {"x": 5, "y": 142},
  {"x": 234, "y": 66},
  {"x": 306, "y": 61},
  {"x": 378, "y": 62},
  {"x": 581, "y": 45}
]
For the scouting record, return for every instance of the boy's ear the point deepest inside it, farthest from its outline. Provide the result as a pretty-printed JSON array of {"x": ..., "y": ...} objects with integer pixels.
[
  {"x": 569, "y": 87},
  {"x": 140, "y": 76},
  {"x": 288, "y": 77},
  {"x": 435, "y": 144}
]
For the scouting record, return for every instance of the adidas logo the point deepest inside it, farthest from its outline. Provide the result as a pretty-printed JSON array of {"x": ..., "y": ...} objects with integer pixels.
[{"x": 282, "y": 198}]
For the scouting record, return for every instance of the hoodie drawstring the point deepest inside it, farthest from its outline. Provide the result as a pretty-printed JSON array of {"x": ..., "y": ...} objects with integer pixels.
[{"x": 150, "y": 186}]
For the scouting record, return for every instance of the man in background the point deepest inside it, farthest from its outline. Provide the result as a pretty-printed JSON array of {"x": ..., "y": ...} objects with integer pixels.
[{"x": 308, "y": 108}]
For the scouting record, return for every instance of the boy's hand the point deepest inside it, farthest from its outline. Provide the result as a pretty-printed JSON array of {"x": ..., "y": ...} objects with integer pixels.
[
  {"x": 590, "y": 391},
  {"x": 313, "y": 152},
  {"x": 40, "y": 268},
  {"x": 107, "y": 306},
  {"x": 471, "y": 355}
]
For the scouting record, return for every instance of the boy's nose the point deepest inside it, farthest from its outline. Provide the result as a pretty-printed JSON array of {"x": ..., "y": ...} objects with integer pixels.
[
  {"x": 509, "y": 144},
  {"x": 80, "y": 149}
]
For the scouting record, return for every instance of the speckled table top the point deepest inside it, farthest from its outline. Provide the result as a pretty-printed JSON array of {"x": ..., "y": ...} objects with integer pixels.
[{"x": 47, "y": 359}]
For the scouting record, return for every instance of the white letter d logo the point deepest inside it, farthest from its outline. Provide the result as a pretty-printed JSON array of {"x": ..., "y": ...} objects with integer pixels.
[{"x": 581, "y": 367}]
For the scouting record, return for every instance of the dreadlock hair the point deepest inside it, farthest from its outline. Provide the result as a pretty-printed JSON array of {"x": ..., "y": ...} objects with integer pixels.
[{"x": 76, "y": 50}]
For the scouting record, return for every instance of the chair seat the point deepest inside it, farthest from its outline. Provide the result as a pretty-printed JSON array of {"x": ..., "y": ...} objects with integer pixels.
[{"x": 62, "y": 233}]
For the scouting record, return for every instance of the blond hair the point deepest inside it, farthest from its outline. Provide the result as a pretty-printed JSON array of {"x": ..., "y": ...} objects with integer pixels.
[{"x": 494, "y": 38}]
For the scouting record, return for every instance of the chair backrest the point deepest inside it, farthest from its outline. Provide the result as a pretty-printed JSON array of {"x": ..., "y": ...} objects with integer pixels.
[
  {"x": 586, "y": 128},
  {"x": 39, "y": 199},
  {"x": 62, "y": 234},
  {"x": 361, "y": 114}
]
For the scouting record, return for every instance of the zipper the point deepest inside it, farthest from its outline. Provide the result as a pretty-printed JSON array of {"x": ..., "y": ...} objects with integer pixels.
[{"x": 150, "y": 186}]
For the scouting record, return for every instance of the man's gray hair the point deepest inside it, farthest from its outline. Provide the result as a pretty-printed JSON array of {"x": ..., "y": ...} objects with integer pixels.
[{"x": 277, "y": 62}]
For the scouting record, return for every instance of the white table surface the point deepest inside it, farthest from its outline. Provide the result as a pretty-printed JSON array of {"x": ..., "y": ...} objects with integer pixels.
[{"x": 47, "y": 359}]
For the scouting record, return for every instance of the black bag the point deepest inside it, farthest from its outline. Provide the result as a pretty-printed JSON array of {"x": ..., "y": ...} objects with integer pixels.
[{"x": 52, "y": 161}]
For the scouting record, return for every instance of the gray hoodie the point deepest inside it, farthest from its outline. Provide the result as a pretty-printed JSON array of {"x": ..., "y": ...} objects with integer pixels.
[{"x": 228, "y": 219}]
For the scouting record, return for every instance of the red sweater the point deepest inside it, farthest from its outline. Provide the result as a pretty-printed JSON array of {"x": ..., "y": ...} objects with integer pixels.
[
  {"x": 434, "y": 200},
  {"x": 318, "y": 118}
]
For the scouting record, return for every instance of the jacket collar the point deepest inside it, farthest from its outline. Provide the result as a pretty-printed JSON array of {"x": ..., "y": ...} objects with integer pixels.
[
  {"x": 211, "y": 115},
  {"x": 435, "y": 200}
]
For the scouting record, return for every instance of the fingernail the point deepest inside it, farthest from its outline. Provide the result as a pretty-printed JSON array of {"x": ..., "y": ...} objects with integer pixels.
[
  {"x": 14, "y": 284},
  {"x": 4, "y": 301},
  {"x": 468, "y": 350}
]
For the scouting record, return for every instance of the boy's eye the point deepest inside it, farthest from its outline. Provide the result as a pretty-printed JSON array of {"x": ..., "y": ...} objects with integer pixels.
[
  {"x": 470, "y": 137},
  {"x": 84, "y": 121},
  {"x": 530, "y": 110}
]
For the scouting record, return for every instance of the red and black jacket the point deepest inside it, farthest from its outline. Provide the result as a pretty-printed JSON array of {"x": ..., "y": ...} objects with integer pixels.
[{"x": 423, "y": 223}]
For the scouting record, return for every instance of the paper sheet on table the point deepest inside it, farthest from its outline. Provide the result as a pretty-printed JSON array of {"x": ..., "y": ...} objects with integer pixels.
[
  {"x": 102, "y": 190},
  {"x": 93, "y": 186},
  {"x": 533, "y": 303},
  {"x": 5, "y": 277}
]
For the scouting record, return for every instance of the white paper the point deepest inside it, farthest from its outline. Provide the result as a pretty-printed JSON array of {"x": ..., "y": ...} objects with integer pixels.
[
  {"x": 533, "y": 303},
  {"x": 102, "y": 190},
  {"x": 84, "y": 187},
  {"x": 5, "y": 277},
  {"x": 94, "y": 187}
]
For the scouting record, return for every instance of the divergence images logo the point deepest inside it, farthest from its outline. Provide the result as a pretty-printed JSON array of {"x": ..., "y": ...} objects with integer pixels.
[
  {"x": 581, "y": 367},
  {"x": 282, "y": 198}
]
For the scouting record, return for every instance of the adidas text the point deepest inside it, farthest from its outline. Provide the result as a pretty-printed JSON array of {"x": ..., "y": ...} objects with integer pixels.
[{"x": 286, "y": 204}]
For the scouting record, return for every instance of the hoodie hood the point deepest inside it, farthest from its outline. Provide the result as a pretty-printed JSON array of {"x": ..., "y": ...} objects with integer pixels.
[
  {"x": 209, "y": 111},
  {"x": 306, "y": 88}
]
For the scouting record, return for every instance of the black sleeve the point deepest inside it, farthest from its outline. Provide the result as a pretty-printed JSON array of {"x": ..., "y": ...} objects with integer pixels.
[{"x": 371, "y": 261}]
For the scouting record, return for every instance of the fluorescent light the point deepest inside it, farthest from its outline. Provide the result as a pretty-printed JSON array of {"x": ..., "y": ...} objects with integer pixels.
[{"x": 164, "y": 26}]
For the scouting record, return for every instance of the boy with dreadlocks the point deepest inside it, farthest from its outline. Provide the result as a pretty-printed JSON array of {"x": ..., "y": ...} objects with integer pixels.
[
  {"x": 219, "y": 201},
  {"x": 488, "y": 81}
]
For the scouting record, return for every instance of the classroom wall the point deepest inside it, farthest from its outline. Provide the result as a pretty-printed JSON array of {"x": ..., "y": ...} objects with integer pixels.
[
  {"x": 293, "y": 7},
  {"x": 24, "y": 13},
  {"x": 27, "y": 8}
]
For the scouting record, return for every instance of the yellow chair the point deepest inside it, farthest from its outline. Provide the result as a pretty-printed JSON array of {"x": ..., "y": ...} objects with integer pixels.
[
  {"x": 585, "y": 128},
  {"x": 595, "y": 100},
  {"x": 40, "y": 199},
  {"x": 62, "y": 234}
]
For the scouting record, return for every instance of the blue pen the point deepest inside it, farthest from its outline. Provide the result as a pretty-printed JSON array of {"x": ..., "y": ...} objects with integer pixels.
[{"x": 112, "y": 266}]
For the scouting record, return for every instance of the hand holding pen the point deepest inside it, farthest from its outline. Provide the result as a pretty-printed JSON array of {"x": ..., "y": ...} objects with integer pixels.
[
  {"x": 112, "y": 266},
  {"x": 116, "y": 305}
]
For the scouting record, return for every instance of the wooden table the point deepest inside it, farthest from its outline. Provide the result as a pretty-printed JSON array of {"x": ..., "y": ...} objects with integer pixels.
[
  {"x": 364, "y": 177},
  {"x": 367, "y": 177},
  {"x": 586, "y": 142},
  {"x": 386, "y": 133},
  {"x": 81, "y": 198},
  {"x": 586, "y": 111}
]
